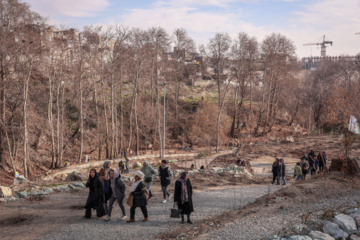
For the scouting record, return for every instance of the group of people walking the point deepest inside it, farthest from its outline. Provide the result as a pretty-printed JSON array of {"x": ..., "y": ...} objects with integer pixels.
[
  {"x": 311, "y": 163},
  {"x": 106, "y": 187}
]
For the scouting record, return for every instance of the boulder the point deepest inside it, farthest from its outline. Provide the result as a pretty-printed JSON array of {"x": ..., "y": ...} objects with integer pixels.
[
  {"x": 217, "y": 169},
  {"x": 10, "y": 199},
  {"x": 136, "y": 165},
  {"x": 354, "y": 237},
  {"x": 48, "y": 191},
  {"x": 19, "y": 179},
  {"x": 5, "y": 192},
  {"x": 276, "y": 237},
  {"x": 290, "y": 139},
  {"x": 346, "y": 223},
  {"x": 300, "y": 229},
  {"x": 334, "y": 230},
  {"x": 299, "y": 237},
  {"x": 356, "y": 218},
  {"x": 79, "y": 185},
  {"x": 75, "y": 176},
  {"x": 37, "y": 193},
  {"x": 2, "y": 200},
  {"x": 316, "y": 235},
  {"x": 61, "y": 188},
  {"x": 23, "y": 194}
]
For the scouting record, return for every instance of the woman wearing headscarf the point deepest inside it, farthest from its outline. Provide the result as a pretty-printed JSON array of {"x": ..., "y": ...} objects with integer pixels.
[
  {"x": 148, "y": 171},
  {"x": 117, "y": 192},
  {"x": 138, "y": 190},
  {"x": 95, "y": 197},
  {"x": 183, "y": 196}
]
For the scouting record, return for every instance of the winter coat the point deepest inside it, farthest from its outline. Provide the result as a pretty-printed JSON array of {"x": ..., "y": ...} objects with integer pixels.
[
  {"x": 304, "y": 167},
  {"x": 281, "y": 170},
  {"x": 119, "y": 187},
  {"x": 275, "y": 167},
  {"x": 96, "y": 196},
  {"x": 298, "y": 170},
  {"x": 165, "y": 175},
  {"x": 149, "y": 171},
  {"x": 177, "y": 196},
  {"x": 140, "y": 200},
  {"x": 321, "y": 160},
  {"x": 325, "y": 158}
]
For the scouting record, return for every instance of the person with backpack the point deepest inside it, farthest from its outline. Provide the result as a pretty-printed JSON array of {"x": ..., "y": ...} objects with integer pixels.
[
  {"x": 122, "y": 167},
  {"x": 140, "y": 197},
  {"x": 281, "y": 172},
  {"x": 148, "y": 171},
  {"x": 95, "y": 197},
  {"x": 275, "y": 167},
  {"x": 116, "y": 192},
  {"x": 316, "y": 165},
  {"x": 183, "y": 196},
  {"x": 165, "y": 175},
  {"x": 311, "y": 165},
  {"x": 304, "y": 167},
  {"x": 298, "y": 172}
]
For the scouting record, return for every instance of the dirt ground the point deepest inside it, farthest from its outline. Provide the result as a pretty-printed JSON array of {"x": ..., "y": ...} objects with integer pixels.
[{"x": 32, "y": 218}]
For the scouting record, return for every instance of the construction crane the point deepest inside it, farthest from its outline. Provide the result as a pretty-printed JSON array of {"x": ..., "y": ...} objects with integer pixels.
[{"x": 322, "y": 44}]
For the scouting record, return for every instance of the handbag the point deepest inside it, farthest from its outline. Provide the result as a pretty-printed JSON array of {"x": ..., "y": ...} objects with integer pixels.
[
  {"x": 101, "y": 210},
  {"x": 175, "y": 212},
  {"x": 148, "y": 179},
  {"x": 130, "y": 200}
]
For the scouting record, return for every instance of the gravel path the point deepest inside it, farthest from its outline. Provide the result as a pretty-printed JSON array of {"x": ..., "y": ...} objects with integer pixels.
[
  {"x": 206, "y": 204},
  {"x": 262, "y": 227}
]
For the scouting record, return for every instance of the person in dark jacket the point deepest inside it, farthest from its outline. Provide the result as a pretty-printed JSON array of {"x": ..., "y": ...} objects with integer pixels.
[
  {"x": 138, "y": 190},
  {"x": 116, "y": 192},
  {"x": 275, "y": 167},
  {"x": 281, "y": 172},
  {"x": 304, "y": 167},
  {"x": 320, "y": 158},
  {"x": 96, "y": 196},
  {"x": 165, "y": 175},
  {"x": 311, "y": 165},
  {"x": 183, "y": 196}
]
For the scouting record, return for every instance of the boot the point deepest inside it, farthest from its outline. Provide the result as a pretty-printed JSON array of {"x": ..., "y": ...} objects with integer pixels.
[
  {"x": 182, "y": 218},
  {"x": 188, "y": 217}
]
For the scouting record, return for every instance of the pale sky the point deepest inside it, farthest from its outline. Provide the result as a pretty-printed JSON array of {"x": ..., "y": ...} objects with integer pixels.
[{"x": 302, "y": 21}]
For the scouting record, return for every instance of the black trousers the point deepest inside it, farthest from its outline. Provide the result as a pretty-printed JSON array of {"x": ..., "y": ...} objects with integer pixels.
[
  {"x": 143, "y": 210},
  {"x": 274, "y": 177}
]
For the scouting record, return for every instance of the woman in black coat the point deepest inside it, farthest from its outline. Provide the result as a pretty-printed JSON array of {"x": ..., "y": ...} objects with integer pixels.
[
  {"x": 96, "y": 196},
  {"x": 274, "y": 170},
  {"x": 138, "y": 191},
  {"x": 183, "y": 196}
]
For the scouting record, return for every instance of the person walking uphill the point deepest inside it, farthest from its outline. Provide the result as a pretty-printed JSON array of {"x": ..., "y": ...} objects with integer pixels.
[
  {"x": 165, "y": 177},
  {"x": 298, "y": 172},
  {"x": 275, "y": 167},
  {"x": 281, "y": 172},
  {"x": 95, "y": 197},
  {"x": 138, "y": 192},
  {"x": 148, "y": 171},
  {"x": 116, "y": 192},
  {"x": 183, "y": 196}
]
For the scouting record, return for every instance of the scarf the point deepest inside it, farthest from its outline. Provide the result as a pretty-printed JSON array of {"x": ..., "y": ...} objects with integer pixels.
[
  {"x": 134, "y": 185},
  {"x": 184, "y": 191}
]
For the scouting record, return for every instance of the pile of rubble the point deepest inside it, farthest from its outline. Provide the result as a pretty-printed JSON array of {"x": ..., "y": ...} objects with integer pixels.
[{"x": 232, "y": 169}]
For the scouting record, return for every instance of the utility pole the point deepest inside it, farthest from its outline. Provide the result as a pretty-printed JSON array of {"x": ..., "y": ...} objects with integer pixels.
[{"x": 164, "y": 129}]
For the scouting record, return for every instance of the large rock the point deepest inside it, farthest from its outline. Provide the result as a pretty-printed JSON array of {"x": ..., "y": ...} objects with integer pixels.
[
  {"x": 5, "y": 192},
  {"x": 23, "y": 194},
  {"x": 136, "y": 165},
  {"x": 346, "y": 223},
  {"x": 300, "y": 229},
  {"x": 316, "y": 235},
  {"x": 48, "y": 191},
  {"x": 75, "y": 176},
  {"x": 334, "y": 230},
  {"x": 37, "y": 193},
  {"x": 354, "y": 237},
  {"x": 290, "y": 139},
  {"x": 19, "y": 179},
  {"x": 276, "y": 237},
  {"x": 299, "y": 237},
  {"x": 2, "y": 200},
  {"x": 79, "y": 185},
  {"x": 62, "y": 188}
]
